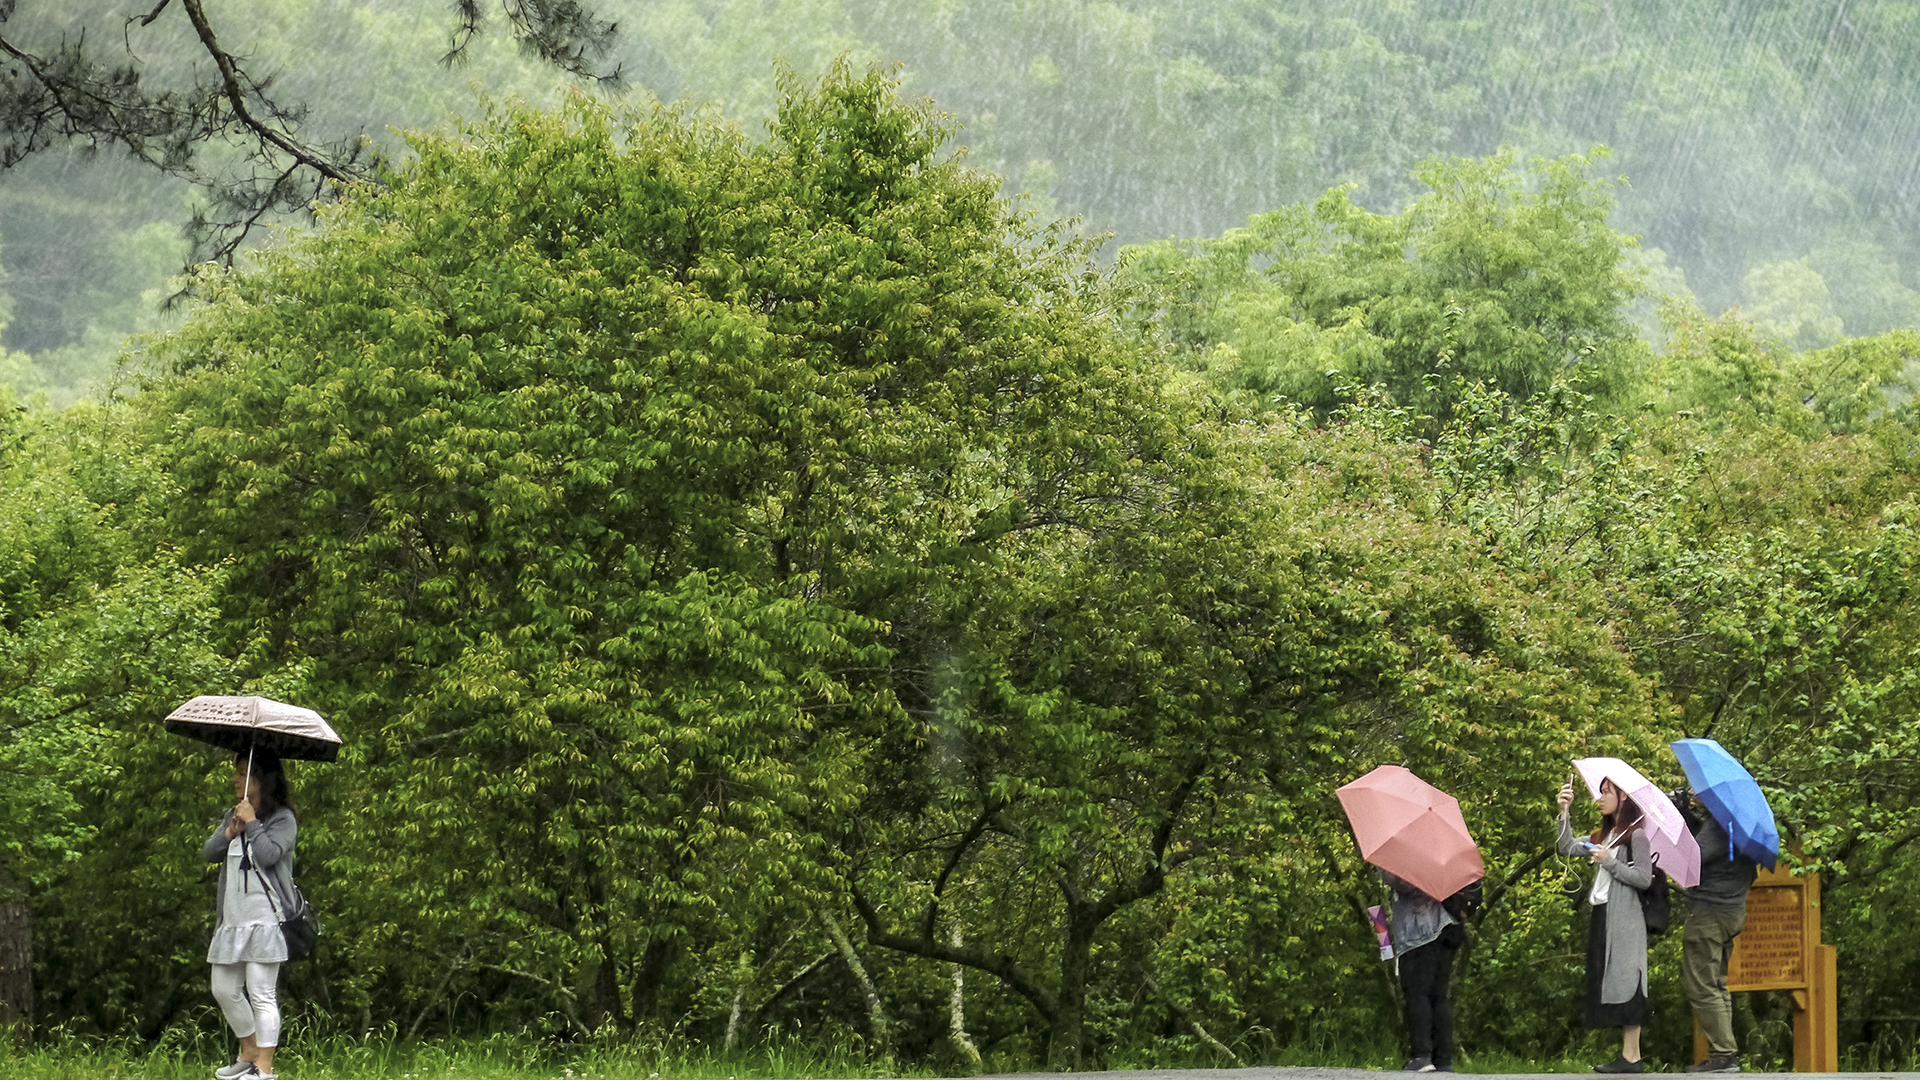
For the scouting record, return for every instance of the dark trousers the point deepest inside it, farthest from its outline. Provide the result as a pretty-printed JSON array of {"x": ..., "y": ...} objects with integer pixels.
[{"x": 1424, "y": 973}]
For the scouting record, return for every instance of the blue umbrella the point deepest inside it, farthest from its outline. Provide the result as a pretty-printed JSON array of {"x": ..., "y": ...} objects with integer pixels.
[{"x": 1732, "y": 796}]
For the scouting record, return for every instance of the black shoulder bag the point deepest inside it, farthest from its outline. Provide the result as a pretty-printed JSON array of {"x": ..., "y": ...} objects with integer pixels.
[
  {"x": 1656, "y": 901},
  {"x": 299, "y": 927}
]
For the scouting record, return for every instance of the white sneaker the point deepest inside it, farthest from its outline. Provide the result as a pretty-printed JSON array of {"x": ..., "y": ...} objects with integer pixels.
[{"x": 239, "y": 1068}]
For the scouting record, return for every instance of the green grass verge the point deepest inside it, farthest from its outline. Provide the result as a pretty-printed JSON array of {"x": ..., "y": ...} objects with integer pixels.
[
  {"x": 522, "y": 1056},
  {"x": 498, "y": 1057}
]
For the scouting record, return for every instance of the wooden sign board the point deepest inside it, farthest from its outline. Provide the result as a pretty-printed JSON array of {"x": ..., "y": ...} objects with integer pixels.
[{"x": 1771, "y": 953}]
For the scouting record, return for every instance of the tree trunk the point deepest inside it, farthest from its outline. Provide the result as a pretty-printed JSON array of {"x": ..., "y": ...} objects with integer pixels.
[
  {"x": 16, "y": 964},
  {"x": 1076, "y": 963},
  {"x": 649, "y": 977},
  {"x": 592, "y": 1008},
  {"x": 877, "y": 1027},
  {"x": 957, "y": 1014},
  {"x": 742, "y": 978}
]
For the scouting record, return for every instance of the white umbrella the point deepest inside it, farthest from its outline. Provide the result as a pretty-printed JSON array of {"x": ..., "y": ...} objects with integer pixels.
[{"x": 1679, "y": 853}]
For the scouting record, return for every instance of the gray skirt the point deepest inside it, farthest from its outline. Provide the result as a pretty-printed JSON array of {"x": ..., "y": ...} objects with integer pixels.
[{"x": 1632, "y": 1012}]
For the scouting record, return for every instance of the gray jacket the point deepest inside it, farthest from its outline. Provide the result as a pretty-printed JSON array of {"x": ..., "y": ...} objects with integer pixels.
[
  {"x": 1626, "y": 969},
  {"x": 270, "y": 845}
]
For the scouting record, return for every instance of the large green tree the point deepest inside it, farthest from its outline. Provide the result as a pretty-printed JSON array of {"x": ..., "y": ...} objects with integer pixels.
[
  {"x": 590, "y": 468},
  {"x": 693, "y": 536}
]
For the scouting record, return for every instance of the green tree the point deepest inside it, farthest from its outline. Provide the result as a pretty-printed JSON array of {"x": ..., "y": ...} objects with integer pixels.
[
  {"x": 1734, "y": 375},
  {"x": 1496, "y": 275},
  {"x": 1128, "y": 776},
  {"x": 1753, "y": 537},
  {"x": 689, "y": 533},
  {"x": 591, "y": 467},
  {"x": 102, "y": 631}
]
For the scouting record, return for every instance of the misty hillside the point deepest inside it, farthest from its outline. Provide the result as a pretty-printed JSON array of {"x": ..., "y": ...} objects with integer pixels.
[{"x": 1768, "y": 152}]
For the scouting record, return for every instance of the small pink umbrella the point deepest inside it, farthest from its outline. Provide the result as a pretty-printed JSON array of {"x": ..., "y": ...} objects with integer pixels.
[
  {"x": 1674, "y": 847},
  {"x": 1413, "y": 830},
  {"x": 1678, "y": 856}
]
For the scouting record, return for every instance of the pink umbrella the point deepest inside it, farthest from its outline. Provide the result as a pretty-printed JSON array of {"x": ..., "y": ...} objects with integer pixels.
[
  {"x": 1679, "y": 857},
  {"x": 1677, "y": 852},
  {"x": 1413, "y": 830}
]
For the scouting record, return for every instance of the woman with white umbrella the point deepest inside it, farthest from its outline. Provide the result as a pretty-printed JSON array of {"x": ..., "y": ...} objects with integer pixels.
[{"x": 1617, "y": 936}]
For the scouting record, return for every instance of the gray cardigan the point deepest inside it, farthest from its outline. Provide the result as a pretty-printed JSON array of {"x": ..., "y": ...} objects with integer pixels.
[
  {"x": 270, "y": 843},
  {"x": 1626, "y": 969}
]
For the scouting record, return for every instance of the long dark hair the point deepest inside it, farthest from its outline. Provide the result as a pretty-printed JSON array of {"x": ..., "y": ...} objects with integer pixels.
[
  {"x": 269, "y": 779},
  {"x": 1626, "y": 815}
]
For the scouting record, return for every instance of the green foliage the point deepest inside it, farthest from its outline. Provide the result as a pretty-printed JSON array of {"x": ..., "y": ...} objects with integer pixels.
[
  {"x": 1726, "y": 373},
  {"x": 102, "y": 629},
  {"x": 598, "y": 471},
  {"x": 1495, "y": 275},
  {"x": 690, "y": 533},
  {"x": 1789, "y": 303}
]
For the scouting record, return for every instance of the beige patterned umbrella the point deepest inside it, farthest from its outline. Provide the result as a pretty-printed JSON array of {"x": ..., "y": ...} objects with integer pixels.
[{"x": 256, "y": 723}]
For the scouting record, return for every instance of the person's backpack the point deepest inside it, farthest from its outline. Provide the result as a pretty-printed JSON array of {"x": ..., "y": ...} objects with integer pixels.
[
  {"x": 1464, "y": 903},
  {"x": 1656, "y": 901}
]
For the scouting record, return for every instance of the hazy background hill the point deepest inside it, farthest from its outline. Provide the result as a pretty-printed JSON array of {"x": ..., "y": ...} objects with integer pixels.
[{"x": 1769, "y": 148}]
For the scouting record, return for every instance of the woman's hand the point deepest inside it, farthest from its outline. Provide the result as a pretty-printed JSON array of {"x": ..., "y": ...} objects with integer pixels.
[
  {"x": 1566, "y": 797},
  {"x": 234, "y": 825},
  {"x": 1601, "y": 856},
  {"x": 243, "y": 814}
]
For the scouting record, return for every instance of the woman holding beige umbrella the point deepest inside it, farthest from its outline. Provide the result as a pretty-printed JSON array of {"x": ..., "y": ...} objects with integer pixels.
[
  {"x": 262, "y": 921},
  {"x": 254, "y": 845}
]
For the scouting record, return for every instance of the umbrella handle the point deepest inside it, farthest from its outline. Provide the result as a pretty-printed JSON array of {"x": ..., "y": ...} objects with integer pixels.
[{"x": 246, "y": 793}]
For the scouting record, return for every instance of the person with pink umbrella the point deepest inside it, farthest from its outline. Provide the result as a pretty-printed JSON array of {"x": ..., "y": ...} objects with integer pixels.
[
  {"x": 1414, "y": 833},
  {"x": 1622, "y": 854}
]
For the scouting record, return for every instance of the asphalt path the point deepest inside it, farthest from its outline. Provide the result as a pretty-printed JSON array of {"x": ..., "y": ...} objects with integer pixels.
[{"x": 1308, "y": 1073}]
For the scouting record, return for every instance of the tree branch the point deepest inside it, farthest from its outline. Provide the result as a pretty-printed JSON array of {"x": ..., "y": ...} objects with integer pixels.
[
  {"x": 999, "y": 965},
  {"x": 1154, "y": 877},
  {"x": 966, "y": 841},
  {"x": 237, "y": 97}
]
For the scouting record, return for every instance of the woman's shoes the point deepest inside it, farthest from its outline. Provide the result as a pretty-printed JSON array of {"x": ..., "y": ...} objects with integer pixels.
[
  {"x": 239, "y": 1068},
  {"x": 1621, "y": 1065}
]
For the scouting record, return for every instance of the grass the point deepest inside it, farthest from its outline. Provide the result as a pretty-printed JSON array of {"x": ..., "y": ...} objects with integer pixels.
[
  {"x": 516, "y": 1056},
  {"x": 186, "y": 1055}
]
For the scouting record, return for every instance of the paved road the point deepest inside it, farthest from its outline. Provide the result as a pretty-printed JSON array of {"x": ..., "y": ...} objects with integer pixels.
[{"x": 1352, "y": 1075}]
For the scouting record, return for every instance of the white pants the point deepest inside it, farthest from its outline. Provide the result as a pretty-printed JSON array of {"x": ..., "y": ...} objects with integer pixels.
[{"x": 252, "y": 1009}]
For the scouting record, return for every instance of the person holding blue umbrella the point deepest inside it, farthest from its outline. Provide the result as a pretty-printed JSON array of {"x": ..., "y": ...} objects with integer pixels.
[{"x": 1735, "y": 829}]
